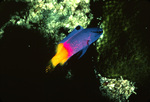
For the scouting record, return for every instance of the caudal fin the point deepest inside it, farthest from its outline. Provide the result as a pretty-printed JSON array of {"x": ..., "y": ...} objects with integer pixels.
[
  {"x": 61, "y": 57},
  {"x": 49, "y": 68}
]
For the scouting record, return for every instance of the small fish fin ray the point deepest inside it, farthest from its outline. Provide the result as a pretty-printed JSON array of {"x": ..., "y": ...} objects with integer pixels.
[
  {"x": 64, "y": 61},
  {"x": 74, "y": 32},
  {"x": 82, "y": 52},
  {"x": 49, "y": 68}
]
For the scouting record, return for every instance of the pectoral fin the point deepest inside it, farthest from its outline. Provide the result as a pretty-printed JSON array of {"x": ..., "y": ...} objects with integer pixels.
[{"x": 82, "y": 52}]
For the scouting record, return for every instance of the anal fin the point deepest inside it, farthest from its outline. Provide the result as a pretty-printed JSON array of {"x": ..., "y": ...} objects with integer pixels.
[{"x": 63, "y": 61}]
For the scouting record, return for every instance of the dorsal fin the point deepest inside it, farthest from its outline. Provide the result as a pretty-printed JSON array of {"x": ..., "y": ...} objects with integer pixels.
[{"x": 74, "y": 32}]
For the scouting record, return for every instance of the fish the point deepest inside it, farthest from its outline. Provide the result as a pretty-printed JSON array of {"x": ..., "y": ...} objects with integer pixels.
[{"x": 77, "y": 41}]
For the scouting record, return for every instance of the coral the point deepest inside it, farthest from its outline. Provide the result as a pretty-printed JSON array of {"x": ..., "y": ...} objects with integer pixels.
[
  {"x": 118, "y": 90},
  {"x": 52, "y": 16}
]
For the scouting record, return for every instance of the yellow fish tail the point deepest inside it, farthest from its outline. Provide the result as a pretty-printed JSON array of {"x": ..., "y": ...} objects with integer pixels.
[
  {"x": 60, "y": 57},
  {"x": 49, "y": 68}
]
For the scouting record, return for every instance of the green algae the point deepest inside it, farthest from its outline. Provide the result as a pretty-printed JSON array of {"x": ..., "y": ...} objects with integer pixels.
[{"x": 121, "y": 51}]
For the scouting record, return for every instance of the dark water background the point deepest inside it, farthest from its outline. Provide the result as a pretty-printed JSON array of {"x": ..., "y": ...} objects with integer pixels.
[{"x": 24, "y": 55}]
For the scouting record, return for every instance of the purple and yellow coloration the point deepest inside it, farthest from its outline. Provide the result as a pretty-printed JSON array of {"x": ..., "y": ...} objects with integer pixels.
[{"x": 78, "y": 40}]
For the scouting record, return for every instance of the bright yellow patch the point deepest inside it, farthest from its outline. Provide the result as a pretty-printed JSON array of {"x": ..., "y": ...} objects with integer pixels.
[
  {"x": 63, "y": 61},
  {"x": 61, "y": 56}
]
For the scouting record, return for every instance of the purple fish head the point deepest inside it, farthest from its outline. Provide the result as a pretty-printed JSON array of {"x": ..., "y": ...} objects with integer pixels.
[{"x": 95, "y": 33}]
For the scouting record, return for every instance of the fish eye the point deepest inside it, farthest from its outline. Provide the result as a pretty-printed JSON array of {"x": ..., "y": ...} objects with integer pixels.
[{"x": 78, "y": 27}]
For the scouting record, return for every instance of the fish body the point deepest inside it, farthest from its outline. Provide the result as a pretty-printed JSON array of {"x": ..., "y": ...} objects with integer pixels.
[{"x": 78, "y": 40}]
